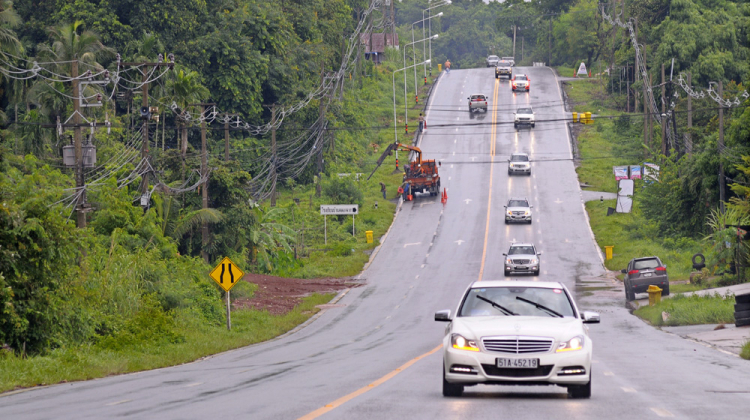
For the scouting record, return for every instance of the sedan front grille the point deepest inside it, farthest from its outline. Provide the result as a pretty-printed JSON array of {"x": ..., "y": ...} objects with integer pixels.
[
  {"x": 517, "y": 345},
  {"x": 518, "y": 213},
  {"x": 521, "y": 261},
  {"x": 493, "y": 370}
]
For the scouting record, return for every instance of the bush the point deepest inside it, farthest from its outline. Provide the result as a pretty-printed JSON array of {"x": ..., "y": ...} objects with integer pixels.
[{"x": 343, "y": 191}]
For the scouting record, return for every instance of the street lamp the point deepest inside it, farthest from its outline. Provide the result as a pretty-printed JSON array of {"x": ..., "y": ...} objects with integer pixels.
[
  {"x": 414, "y": 50},
  {"x": 415, "y": 68},
  {"x": 395, "y": 133},
  {"x": 444, "y": 3}
]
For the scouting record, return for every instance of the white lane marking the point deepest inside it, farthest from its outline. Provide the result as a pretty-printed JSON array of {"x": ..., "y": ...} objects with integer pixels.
[
  {"x": 661, "y": 412},
  {"x": 416, "y": 277},
  {"x": 452, "y": 164},
  {"x": 388, "y": 317},
  {"x": 415, "y": 243},
  {"x": 558, "y": 201},
  {"x": 428, "y": 254},
  {"x": 631, "y": 390},
  {"x": 426, "y": 203},
  {"x": 468, "y": 200},
  {"x": 545, "y": 272},
  {"x": 118, "y": 402},
  {"x": 459, "y": 242},
  {"x": 430, "y": 243},
  {"x": 609, "y": 374},
  {"x": 193, "y": 384},
  {"x": 422, "y": 266},
  {"x": 449, "y": 178},
  {"x": 454, "y": 154}
]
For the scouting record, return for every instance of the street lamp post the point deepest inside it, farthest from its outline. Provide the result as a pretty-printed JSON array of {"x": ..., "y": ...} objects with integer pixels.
[
  {"x": 424, "y": 48},
  {"x": 414, "y": 50},
  {"x": 416, "y": 98},
  {"x": 395, "y": 132}
]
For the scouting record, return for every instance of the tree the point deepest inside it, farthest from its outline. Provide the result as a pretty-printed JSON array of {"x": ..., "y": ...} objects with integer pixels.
[
  {"x": 9, "y": 19},
  {"x": 71, "y": 42},
  {"x": 186, "y": 88}
]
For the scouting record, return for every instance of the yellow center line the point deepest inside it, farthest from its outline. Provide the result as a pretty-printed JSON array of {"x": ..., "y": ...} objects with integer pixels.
[
  {"x": 328, "y": 407},
  {"x": 493, "y": 136}
]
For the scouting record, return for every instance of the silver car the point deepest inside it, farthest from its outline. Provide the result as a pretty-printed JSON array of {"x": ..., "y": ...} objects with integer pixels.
[
  {"x": 477, "y": 102},
  {"x": 524, "y": 116},
  {"x": 522, "y": 258},
  {"x": 519, "y": 164},
  {"x": 492, "y": 60},
  {"x": 517, "y": 333},
  {"x": 512, "y": 60},
  {"x": 518, "y": 210}
]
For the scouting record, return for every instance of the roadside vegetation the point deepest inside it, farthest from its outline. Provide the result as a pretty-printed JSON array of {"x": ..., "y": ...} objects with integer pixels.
[
  {"x": 690, "y": 310},
  {"x": 745, "y": 352}
]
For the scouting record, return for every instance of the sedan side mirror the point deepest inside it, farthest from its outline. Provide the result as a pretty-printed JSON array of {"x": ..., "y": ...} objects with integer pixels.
[
  {"x": 443, "y": 316},
  {"x": 624, "y": 271},
  {"x": 588, "y": 317},
  {"x": 539, "y": 253},
  {"x": 531, "y": 207},
  {"x": 468, "y": 98},
  {"x": 505, "y": 254}
]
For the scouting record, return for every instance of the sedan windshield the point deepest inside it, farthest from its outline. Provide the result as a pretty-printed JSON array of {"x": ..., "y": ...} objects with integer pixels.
[
  {"x": 493, "y": 57},
  {"x": 524, "y": 111},
  {"x": 516, "y": 301},
  {"x": 504, "y": 64},
  {"x": 518, "y": 203},
  {"x": 519, "y": 158},
  {"x": 522, "y": 250},
  {"x": 520, "y": 77}
]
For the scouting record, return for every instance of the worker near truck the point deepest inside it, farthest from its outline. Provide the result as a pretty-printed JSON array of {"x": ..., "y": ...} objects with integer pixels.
[
  {"x": 382, "y": 190},
  {"x": 421, "y": 122}
]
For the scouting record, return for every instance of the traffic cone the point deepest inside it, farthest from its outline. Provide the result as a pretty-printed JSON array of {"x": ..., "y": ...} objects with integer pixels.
[
  {"x": 444, "y": 199},
  {"x": 589, "y": 73},
  {"x": 409, "y": 197}
]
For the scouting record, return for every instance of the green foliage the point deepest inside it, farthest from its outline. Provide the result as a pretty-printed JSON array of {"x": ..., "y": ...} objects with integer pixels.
[
  {"x": 745, "y": 352},
  {"x": 342, "y": 190},
  {"x": 690, "y": 310}
]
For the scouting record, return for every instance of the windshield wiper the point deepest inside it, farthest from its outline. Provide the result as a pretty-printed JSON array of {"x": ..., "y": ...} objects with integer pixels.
[
  {"x": 505, "y": 311},
  {"x": 542, "y": 307}
]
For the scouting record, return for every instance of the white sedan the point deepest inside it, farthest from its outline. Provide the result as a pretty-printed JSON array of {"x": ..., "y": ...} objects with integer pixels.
[{"x": 517, "y": 333}]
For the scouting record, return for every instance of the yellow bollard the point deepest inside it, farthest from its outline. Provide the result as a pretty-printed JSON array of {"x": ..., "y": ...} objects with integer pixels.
[
  {"x": 575, "y": 117},
  {"x": 654, "y": 295},
  {"x": 608, "y": 251},
  {"x": 440, "y": 67},
  {"x": 368, "y": 234},
  {"x": 588, "y": 118}
]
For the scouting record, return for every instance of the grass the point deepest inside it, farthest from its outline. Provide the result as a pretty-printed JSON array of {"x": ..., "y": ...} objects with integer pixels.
[
  {"x": 745, "y": 352},
  {"x": 690, "y": 310},
  {"x": 622, "y": 231},
  {"x": 196, "y": 341}
]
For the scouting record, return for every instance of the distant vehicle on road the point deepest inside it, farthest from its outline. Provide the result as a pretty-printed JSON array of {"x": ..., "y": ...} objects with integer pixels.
[
  {"x": 524, "y": 116},
  {"x": 522, "y": 258},
  {"x": 512, "y": 60},
  {"x": 517, "y": 333},
  {"x": 503, "y": 69},
  {"x": 644, "y": 272},
  {"x": 477, "y": 101},
  {"x": 520, "y": 82},
  {"x": 518, "y": 210},
  {"x": 519, "y": 163},
  {"x": 492, "y": 60}
]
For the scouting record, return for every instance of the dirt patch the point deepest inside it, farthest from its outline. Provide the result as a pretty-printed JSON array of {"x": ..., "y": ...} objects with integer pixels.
[{"x": 279, "y": 295}]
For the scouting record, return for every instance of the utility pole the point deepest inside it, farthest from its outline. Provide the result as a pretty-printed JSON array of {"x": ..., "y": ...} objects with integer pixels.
[
  {"x": 722, "y": 181},
  {"x": 204, "y": 176},
  {"x": 393, "y": 24},
  {"x": 226, "y": 135},
  {"x": 646, "y": 112},
  {"x": 80, "y": 214},
  {"x": 637, "y": 68},
  {"x": 321, "y": 113},
  {"x": 627, "y": 87},
  {"x": 549, "y": 44},
  {"x": 689, "y": 142},
  {"x": 514, "y": 40},
  {"x": 663, "y": 111}
]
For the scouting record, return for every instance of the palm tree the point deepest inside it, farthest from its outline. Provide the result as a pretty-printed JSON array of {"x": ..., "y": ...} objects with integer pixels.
[
  {"x": 71, "y": 42},
  {"x": 186, "y": 88},
  {"x": 9, "y": 19}
]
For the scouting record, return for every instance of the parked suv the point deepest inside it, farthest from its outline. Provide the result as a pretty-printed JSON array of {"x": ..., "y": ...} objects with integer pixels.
[
  {"x": 522, "y": 258},
  {"x": 518, "y": 210},
  {"x": 643, "y": 272},
  {"x": 477, "y": 101},
  {"x": 524, "y": 116},
  {"x": 519, "y": 163},
  {"x": 492, "y": 60},
  {"x": 503, "y": 69}
]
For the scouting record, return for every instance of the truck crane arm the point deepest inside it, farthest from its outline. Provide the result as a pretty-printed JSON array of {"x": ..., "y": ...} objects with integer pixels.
[{"x": 397, "y": 146}]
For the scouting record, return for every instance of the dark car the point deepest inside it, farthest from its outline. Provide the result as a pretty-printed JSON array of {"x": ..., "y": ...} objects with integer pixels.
[{"x": 643, "y": 272}]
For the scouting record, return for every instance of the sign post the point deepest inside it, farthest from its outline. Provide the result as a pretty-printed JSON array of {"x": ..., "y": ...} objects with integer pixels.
[
  {"x": 337, "y": 209},
  {"x": 226, "y": 274}
]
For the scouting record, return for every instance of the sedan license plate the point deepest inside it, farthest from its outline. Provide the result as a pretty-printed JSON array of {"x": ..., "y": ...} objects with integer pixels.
[{"x": 517, "y": 363}]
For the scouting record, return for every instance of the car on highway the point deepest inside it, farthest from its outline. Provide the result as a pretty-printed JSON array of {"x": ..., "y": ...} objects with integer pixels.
[
  {"x": 643, "y": 272},
  {"x": 524, "y": 116},
  {"x": 517, "y": 333},
  {"x": 519, "y": 163},
  {"x": 511, "y": 60},
  {"x": 518, "y": 210},
  {"x": 522, "y": 258},
  {"x": 503, "y": 69},
  {"x": 477, "y": 102},
  {"x": 520, "y": 82},
  {"x": 492, "y": 60}
]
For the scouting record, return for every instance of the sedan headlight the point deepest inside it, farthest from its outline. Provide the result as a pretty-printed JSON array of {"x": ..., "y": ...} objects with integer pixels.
[
  {"x": 534, "y": 261},
  {"x": 575, "y": 343},
  {"x": 509, "y": 261},
  {"x": 526, "y": 213},
  {"x": 510, "y": 213},
  {"x": 459, "y": 342}
]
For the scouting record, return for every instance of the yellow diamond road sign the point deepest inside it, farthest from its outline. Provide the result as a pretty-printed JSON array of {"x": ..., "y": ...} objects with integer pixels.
[{"x": 226, "y": 274}]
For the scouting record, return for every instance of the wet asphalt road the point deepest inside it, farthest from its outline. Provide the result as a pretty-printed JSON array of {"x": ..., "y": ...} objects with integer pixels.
[{"x": 359, "y": 360}]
